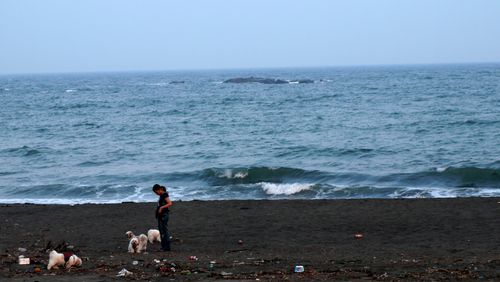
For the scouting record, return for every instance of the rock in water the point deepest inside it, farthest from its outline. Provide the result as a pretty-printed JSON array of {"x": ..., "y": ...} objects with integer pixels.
[{"x": 256, "y": 80}]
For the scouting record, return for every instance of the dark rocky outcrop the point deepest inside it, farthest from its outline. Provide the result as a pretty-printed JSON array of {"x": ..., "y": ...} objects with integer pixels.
[
  {"x": 302, "y": 81},
  {"x": 256, "y": 80},
  {"x": 264, "y": 80}
]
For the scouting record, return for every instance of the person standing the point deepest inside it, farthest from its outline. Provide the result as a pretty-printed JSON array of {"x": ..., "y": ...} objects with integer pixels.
[{"x": 162, "y": 214}]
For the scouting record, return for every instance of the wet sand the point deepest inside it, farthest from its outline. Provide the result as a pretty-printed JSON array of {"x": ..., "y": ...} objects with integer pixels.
[{"x": 415, "y": 239}]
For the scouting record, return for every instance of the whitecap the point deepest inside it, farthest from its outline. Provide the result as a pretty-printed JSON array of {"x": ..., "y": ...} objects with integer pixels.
[
  {"x": 285, "y": 189},
  {"x": 441, "y": 169},
  {"x": 241, "y": 175},
  {"x": 70, "y": 90},
  {"x": 158, "y": 84},
  {"x": 228, "y": 173}
]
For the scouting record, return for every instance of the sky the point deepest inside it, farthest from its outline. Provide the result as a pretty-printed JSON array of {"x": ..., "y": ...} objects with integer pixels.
[{"x": 131, "y": 35}]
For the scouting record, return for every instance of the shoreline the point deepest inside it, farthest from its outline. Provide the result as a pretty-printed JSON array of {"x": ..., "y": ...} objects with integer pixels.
[
  {"x": 440, "y": 238},
  {"x": 28, "y": 203}
]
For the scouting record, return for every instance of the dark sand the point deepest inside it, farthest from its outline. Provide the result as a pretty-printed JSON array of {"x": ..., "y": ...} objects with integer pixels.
[{"x": 421, "y": 239}]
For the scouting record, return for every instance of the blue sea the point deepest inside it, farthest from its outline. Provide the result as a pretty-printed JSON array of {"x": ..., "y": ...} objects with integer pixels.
[{"x": 423, "y": 131}]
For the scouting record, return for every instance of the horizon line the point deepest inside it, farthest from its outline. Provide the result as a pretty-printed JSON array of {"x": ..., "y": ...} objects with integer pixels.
[{"x": 244, "y": 68}]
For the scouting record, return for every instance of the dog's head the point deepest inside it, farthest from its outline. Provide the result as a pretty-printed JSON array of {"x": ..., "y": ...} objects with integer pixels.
[
  {"x": 135, "y": 244},
  {"x": 74, "y": 261},
  {"x": 130, "y": 234}
]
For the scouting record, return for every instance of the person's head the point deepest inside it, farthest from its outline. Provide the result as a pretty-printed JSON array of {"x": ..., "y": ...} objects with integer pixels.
[{"x": 158, "y": 189}]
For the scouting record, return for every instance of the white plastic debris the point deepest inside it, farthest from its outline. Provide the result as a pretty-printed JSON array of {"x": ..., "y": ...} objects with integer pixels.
[
  {"x": 23, "y": 260},
  {"x": 22, "y": 250},
  {"x": 124, "y": 273},
  {"x": 299, "y": 269},
  {"x": 135, "y": 262},
  {"x": 156, "y": 260}
]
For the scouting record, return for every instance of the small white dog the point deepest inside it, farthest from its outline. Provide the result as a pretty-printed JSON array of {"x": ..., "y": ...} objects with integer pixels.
[
  {"x": 136, "y": 244},
  {"x": 66, "y": 259},
  {"x": 154, "y": 235},
  {"x": 143, "y": 242}
]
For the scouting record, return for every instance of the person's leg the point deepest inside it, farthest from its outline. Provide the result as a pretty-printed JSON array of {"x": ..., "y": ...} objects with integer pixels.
[{"x": 163, "y": 227}]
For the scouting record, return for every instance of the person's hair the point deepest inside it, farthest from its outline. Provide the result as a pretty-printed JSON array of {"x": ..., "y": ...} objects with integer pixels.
[{"x": 157, "y": 187}]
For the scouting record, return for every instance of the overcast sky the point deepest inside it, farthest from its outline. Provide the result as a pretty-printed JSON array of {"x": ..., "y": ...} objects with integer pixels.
[{"x": 123, "y": 35}]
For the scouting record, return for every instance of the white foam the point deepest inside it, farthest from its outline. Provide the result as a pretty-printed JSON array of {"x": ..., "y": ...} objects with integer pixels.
[
  {"x": 433, "y": 192},
  {"x": 441, "y": 169},
  {"x": 284, "y": 189},
  {"x": 241, "y": 175},
  {"x": 158, "y": 84},
  {"x": 70, "y": 90},
  {"x": 50, "y": 201},
  {"x": 228, "y": 173},
  {"x": 138, "y": 195}
]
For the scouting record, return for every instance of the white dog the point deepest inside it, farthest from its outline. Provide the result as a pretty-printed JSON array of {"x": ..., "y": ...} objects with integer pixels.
[
  {"x": 67, "y": 259},
  {"x": 143, "y": 242},
  {"x": 136, "y": 244},
  {"x": 154, "y": 235}
]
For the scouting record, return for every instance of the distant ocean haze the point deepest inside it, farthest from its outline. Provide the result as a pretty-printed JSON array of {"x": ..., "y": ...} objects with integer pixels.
[{"x": 324, "y": 133}]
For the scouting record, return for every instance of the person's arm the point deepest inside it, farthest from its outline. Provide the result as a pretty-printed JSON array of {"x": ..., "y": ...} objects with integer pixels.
[{"x": 166, "y": 206}]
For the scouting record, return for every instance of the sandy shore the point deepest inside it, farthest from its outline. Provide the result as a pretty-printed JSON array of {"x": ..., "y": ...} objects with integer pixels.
[{"x": 402, "y": 239}]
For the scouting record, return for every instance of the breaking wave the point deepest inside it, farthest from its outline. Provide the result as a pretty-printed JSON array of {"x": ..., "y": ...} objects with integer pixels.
[
  {"x": 226, "y": 176},
  {"x": 285, "y": 189},
  {"x": 473, "y": 177}
]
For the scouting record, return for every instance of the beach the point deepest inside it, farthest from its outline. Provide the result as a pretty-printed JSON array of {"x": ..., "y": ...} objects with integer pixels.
[
  {"x": 401, "y": 239},
  {"x": 334, "y": 141}
]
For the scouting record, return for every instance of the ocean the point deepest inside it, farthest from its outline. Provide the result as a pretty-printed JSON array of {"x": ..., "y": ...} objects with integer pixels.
[{"x": 422, "y": 131}]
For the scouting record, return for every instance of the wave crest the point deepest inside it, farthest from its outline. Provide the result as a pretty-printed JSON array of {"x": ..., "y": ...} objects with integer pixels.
[
  {"x": 252, "y": 175},
  {"x": 285, "y": 189}
]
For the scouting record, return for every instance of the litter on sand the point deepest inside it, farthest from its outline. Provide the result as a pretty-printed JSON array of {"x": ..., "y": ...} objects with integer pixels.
[
  {"x": 298, "y": 269},
  {"x": 124, "y": 273},
  {"x": 23, "y": 260}
]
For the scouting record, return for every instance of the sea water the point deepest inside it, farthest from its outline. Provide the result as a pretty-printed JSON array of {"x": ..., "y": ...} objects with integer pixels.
[{"x": 356, "y": 132}]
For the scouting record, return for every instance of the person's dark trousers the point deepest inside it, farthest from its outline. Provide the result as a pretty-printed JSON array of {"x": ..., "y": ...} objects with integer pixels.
[{"x": 163, "y": 228}]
